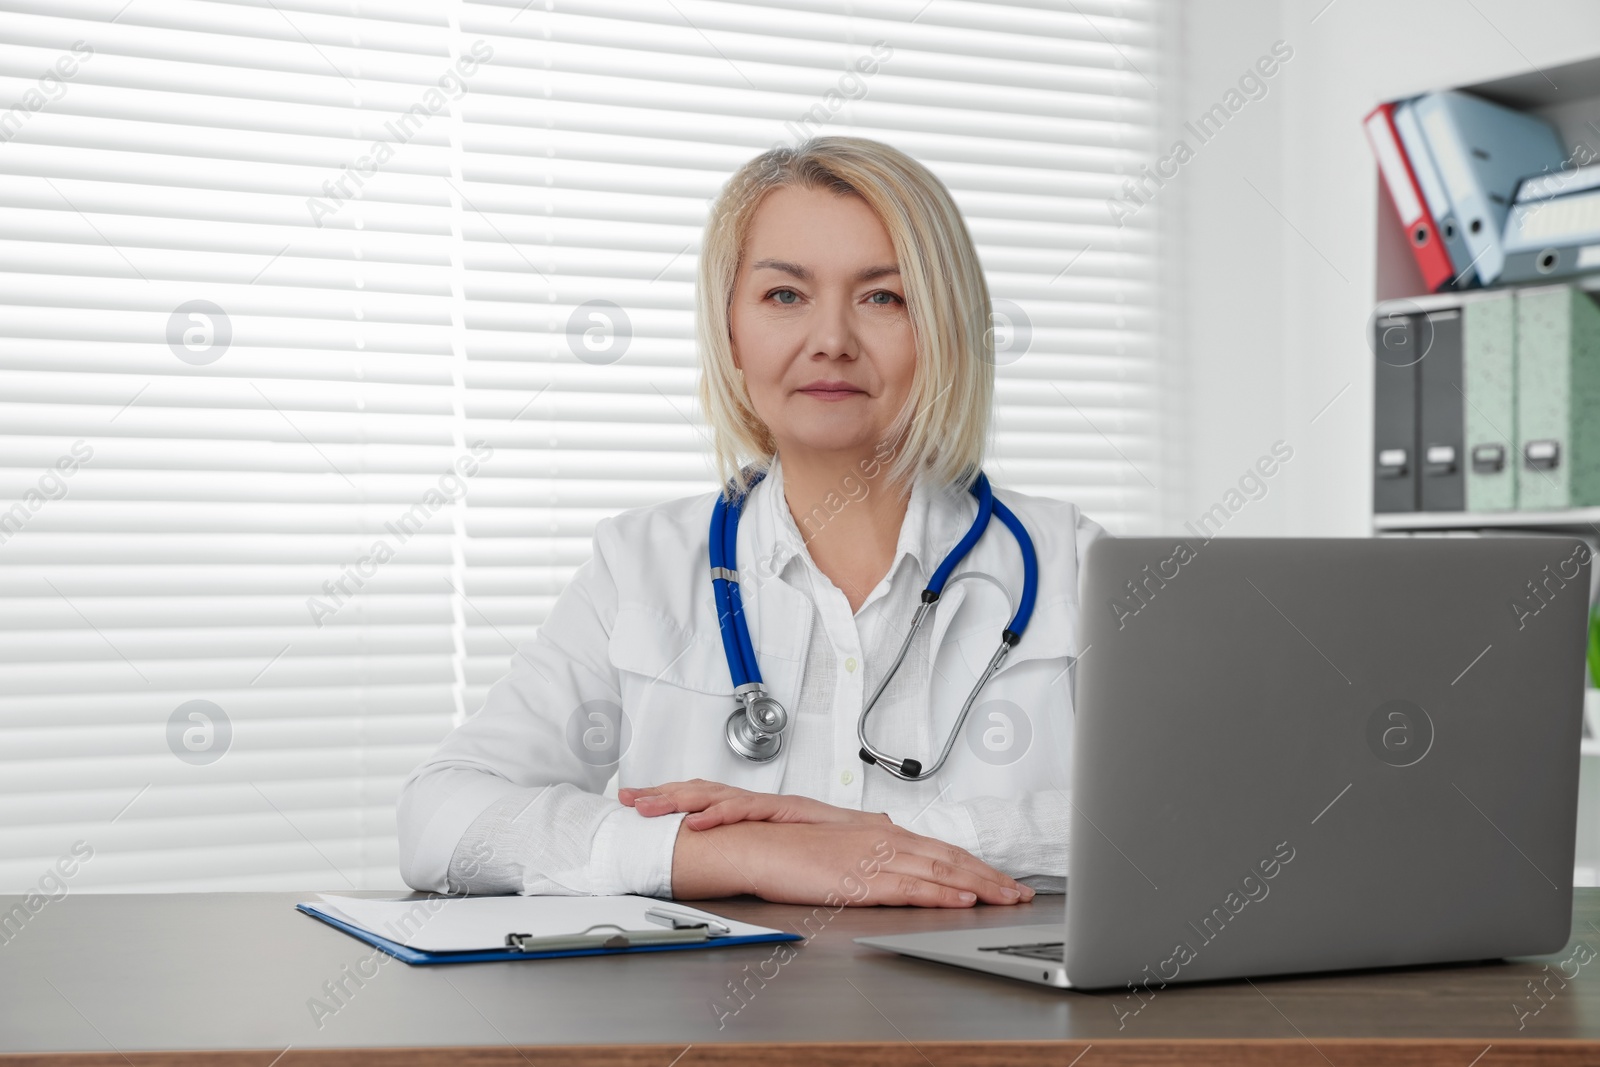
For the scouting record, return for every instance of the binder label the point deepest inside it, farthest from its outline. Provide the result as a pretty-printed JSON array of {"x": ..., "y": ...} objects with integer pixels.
[{"x": 1394, "y": 169}]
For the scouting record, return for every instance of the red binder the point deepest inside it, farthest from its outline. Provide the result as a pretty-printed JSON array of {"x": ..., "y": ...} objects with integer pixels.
[{"x": 1422, "y": 235}]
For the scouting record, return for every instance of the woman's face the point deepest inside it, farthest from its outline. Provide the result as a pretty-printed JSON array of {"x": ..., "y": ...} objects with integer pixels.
[{"x": 819, "y": 301}]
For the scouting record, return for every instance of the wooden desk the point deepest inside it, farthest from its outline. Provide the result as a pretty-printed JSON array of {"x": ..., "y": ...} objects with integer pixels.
[{"x": 153, "y": 979}]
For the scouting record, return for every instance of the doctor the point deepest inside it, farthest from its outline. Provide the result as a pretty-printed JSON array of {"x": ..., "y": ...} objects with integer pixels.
[{"x": 843, "y": 328}]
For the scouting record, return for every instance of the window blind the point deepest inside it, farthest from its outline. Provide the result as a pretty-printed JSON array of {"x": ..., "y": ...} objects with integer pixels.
[{"x": 330, "y": 330}]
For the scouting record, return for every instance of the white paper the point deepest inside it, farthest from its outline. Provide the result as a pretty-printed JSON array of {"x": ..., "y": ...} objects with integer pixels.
[{"x": 461, "y": 924}]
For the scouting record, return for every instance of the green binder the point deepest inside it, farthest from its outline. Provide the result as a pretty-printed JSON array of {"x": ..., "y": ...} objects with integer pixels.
[
  {"x": 1489, "y": 376},
  {"x": 1558, "y": 398}
]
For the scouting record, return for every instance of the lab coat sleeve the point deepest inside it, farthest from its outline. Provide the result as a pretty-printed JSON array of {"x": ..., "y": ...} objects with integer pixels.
[
  {"x": 1027, "y": 837},
  {"x": 505, "y": 803},
  {"x": 1032, "y": 837}
]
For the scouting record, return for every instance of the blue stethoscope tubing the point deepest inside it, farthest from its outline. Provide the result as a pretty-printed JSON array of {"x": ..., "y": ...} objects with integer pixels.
[{"x": 755, "y": 728}]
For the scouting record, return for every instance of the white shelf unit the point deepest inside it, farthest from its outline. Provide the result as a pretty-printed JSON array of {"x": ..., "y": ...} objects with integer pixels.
[{"x": 1569, "y": 97}]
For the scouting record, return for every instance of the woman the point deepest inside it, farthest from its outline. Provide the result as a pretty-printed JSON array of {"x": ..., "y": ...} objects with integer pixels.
[{"x": 843, "y": 328}]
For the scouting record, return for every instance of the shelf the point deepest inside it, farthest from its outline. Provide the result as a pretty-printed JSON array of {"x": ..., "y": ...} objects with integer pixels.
[
  {"x": 1568, "y": 97},
  {"x": 1585, "y": 520},
  {"x": 1424, "y": 302}
]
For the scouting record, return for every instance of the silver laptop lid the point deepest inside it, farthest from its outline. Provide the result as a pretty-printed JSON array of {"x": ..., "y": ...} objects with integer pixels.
[{"x": 1299, "y": 754}]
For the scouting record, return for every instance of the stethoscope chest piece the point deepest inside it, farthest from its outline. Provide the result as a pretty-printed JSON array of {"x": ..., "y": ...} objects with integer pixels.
[{"x": 755, "y": 728}]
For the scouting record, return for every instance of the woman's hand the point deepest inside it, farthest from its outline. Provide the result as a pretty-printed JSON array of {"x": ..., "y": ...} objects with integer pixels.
[
  {"x": 854, "y": 864},
  {"x": 714, "y": 804}
]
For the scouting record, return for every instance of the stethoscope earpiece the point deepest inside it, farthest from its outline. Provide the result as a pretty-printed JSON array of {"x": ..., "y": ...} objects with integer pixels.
[{"x": 755, "y": 729}]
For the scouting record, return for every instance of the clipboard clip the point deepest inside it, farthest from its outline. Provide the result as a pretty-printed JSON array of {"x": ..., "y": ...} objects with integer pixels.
[
  {"x": 679, "y": 920},
  {"x": 621, "y": 939}
]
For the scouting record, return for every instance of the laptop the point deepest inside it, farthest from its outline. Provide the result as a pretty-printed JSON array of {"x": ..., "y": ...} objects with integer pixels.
[{"x": 1312, "y": 754}]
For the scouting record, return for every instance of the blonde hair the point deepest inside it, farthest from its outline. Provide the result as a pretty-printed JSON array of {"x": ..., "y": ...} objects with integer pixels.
[{"x": 945, "y": 425}]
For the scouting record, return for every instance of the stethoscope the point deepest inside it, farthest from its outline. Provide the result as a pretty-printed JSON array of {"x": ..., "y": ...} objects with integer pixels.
[{"x": 755, "y": 729}]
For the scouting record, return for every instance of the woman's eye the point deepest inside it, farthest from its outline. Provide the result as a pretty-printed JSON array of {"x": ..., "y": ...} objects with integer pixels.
[{"x": 788, "y": 297}]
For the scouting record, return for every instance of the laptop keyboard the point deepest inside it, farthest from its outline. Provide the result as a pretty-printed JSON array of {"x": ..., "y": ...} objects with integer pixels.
[{"x": 1039, "y": 950}]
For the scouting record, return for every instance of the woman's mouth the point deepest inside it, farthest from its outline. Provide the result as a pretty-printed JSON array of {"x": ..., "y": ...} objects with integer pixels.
[{"x": 831, "y": 392}]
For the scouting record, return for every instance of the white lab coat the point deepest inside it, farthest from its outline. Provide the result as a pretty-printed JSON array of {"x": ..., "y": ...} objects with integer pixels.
[{"x": 638, "y": 627}]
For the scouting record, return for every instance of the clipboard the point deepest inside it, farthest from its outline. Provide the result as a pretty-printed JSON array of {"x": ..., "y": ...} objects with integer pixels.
[{"x": 643, "y": 924}]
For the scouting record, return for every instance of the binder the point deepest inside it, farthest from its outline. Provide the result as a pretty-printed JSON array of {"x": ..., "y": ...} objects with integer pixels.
[
  {"x": 1421, "y": 160},
  {"x": 1558, "y": 398},
  {"x": 1489, "y": 376},
  {"x": 1440, "y": 467},
  {"x": 1482, "y": 151},
  {"x": 435, "y": 930},
  {"x": 1438, "y": 201},
  {"x": 1412, "y": 207},
  {"x": 1394, "y": 425},
  {"x": 1553, "y": 228}
]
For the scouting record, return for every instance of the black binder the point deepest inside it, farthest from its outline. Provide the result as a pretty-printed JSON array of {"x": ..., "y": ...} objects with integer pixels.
[{"x": 1395, "y": 343}]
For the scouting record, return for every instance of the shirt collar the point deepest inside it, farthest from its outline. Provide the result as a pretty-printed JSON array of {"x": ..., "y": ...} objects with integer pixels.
[{"x": 935, "y": 520}]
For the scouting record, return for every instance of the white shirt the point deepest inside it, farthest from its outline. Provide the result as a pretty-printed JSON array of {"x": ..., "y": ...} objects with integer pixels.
[{"x": 510, "y": 801}]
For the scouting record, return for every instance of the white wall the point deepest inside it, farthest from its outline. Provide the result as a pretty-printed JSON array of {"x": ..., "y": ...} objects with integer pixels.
[{"x": 1271, "y": 309}]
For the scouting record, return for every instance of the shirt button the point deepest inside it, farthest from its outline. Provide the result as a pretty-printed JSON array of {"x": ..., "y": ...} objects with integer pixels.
[
  {"x": 846, "y": 777},
  {"x": 850, "y": 664}
]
